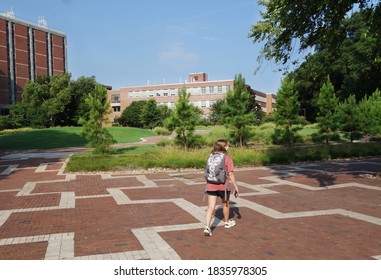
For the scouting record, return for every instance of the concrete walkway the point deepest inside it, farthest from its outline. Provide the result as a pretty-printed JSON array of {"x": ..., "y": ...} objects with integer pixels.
[{"x": 312, "y": 211}]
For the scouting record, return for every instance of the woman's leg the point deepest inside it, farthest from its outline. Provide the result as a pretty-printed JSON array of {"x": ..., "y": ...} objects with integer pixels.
[
  {"x": 226, "y": 210},
  {"x": 212, "y": 201}
]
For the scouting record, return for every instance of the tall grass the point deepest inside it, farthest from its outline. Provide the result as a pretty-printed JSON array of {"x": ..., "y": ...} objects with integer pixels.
[
  {"x": 175, "y": 158},
  {"x": 215, "y": 133}
]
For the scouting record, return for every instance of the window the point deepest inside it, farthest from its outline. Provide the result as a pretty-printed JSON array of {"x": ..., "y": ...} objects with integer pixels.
[
  {"x": 157, "y": 94},
  {"x": 116, "y": 108},
  {"x": 211, "y": 89},
  {"x": 115, "y": 98},
  {"x": 203, "y": 90},
  {"x": 227, "y": 88},
  {"x": 203, "y": 104},
  {"x": 219, "y": 89}
]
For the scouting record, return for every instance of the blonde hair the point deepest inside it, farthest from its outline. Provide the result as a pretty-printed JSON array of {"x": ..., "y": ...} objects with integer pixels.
[{"x": 220, "y": 146}]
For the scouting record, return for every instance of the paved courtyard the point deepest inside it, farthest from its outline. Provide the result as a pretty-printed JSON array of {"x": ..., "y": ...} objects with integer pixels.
[{"x": 308, "y": 211}]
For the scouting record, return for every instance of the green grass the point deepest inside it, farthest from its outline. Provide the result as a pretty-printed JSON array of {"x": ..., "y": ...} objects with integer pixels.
[
  {"x": 144, "y": 157},
  {"x": 61, "y": 137},
  {"x": 152, "y": 156},
  {"x": 129, "y": 134}
]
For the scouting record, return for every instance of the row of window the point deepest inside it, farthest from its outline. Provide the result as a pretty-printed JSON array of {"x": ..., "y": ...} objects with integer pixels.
[
  {"x": 198, "y": 104},
  {"x": 174, "y": 92}
]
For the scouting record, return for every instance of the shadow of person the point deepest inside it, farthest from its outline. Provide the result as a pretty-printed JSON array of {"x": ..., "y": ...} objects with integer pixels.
[
  {"x": 234, "y": 211},
  {"x": 219, "y": 215}
]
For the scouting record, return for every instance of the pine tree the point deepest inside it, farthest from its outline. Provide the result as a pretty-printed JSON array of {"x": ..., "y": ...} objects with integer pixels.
[
  {"x": 327, "y": 104},
  {"x": 150, "y": 114},
  {"x": 98, "y": 136},
  {"x": 348, "y": 116},
  {"x": 287, "y": 111},
  {"x": 183, "y": 120},
  {"x": 370, "y": 114},
  {"x": 376, "y": 112},
  {"x": 236, "y": 110}
]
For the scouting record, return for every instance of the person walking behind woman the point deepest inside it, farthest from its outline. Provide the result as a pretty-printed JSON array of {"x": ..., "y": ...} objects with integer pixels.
[{"x": 216, "y": 190}]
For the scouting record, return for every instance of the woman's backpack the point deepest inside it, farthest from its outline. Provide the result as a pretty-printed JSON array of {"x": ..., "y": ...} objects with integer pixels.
[{"x": 214, "y": 172}]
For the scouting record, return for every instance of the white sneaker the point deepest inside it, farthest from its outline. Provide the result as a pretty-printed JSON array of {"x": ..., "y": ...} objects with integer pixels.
[
  {"x": 207, "y": 231},
  {"x": 230, "y": 224}
]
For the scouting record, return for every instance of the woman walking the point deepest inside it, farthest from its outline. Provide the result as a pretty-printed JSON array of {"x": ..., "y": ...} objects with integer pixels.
[{"x": 216, "y": 189}]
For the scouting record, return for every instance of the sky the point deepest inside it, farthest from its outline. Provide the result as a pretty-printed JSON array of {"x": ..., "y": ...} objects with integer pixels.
[{"x": 138, "y": 42}]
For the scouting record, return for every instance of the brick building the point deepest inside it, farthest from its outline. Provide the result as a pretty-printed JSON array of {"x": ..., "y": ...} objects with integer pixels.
[
  {"x": 27, "y": 50},
  {"x": 203, "y": 94}
]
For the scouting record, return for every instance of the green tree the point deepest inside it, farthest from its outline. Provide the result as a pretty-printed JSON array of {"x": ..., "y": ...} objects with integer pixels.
[
  {"x": 254, "y": 106},
  {"x": 78, "y": 108},
  {"x": 20, "y": 115},
  {"x": 99, "y": 137},
  {"x": 370, "y": 114},
  {"x": 287, "y": 25},
  {"x": 287, "y": 112},
  {"x": 327, "y": 104},
  {"x": 131, "y": 115},
  {"x": 183, "y": 120},
  {"x": 30, "y": 111},
  {"x": 59, "y": 99},
  {"x": 375, "y": 111},
  {"x": 150, "y": 114},
  {"x": 236, "y": 110},
  {"x": 164, "y": 112},
  {"x": 348, "y": 116},
  {"x": 53, "y": 101},
  {"x": 353, "y": 66},
  {"x": 216, "y": 115}
]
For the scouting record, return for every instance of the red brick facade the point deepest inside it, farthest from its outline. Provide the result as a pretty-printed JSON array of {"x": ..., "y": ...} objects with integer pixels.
[{"x": 27, "y": 51}]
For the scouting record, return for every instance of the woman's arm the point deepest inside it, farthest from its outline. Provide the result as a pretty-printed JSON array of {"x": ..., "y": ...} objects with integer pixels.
[{"x": 232, "y": 179}]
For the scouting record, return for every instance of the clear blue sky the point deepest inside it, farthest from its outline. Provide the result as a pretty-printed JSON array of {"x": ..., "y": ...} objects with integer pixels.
[{"x": 130, "y": 42}]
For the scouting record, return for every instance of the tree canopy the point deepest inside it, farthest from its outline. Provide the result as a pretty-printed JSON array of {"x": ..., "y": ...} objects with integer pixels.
[
  {"x": 290, "y": 25},
  {"x": 183, "y": 120},
  {"x": 353, "y": 67},
  {"x": 238, "y": 114},
  {"x": 52, "y": 101},
  {"x": 96, "y": 134}
]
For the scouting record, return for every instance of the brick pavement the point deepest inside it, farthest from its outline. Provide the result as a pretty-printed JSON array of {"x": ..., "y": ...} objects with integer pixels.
[{"x": 307, "y": 211}]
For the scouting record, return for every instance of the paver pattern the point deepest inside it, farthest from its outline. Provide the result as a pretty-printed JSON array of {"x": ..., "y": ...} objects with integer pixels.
[{"x": 327, "y": 210}]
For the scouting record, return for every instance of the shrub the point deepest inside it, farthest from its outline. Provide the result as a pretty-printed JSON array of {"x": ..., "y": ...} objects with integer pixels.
[
  {"x": 164, "y": 143},
  {"x": 267, "y": 126},
  {"x": 161, "y": 131},
  {"x": 14, "y": 131},
  {"x": 5, "y": 122}
]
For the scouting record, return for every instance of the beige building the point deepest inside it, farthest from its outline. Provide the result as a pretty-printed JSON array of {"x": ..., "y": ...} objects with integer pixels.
[{"x": 203, "y": 94}]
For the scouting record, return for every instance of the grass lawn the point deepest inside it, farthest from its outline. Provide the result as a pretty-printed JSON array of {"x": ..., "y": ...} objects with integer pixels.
[
  {"x": 153, "y": 156},
  {"x": 144, "y": 157},
  {"x": 61, "y": 137}
]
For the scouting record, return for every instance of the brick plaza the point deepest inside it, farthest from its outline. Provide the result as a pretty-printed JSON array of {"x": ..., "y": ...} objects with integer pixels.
[{"x": 309, "y": 211}]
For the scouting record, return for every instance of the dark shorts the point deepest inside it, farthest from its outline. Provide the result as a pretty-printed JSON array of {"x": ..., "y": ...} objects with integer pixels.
[{"x": 219, "y": 193}]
